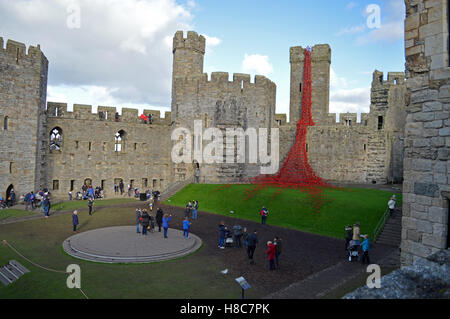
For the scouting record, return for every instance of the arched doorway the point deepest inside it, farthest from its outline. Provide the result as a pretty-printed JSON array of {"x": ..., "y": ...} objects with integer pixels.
[
  {"x": 88, "y": 182},
  {"x": 8, "y": 193}
]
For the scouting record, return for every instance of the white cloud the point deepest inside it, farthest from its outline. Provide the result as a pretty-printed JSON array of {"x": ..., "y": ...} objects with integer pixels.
[
  {"x": 351, "y": 5},
  {"x": 351, "y": 30},
  {"x": 211, "y": 42},
  {"x": 390, "y": 31},
  {"x": 122, "y": 46},
  {"x": 257, "y": 64},
  {"x": 344, "y": 98}
]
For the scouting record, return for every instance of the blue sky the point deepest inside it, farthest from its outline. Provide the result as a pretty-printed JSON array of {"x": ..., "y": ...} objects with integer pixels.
[{"x": 120, "y": 53}]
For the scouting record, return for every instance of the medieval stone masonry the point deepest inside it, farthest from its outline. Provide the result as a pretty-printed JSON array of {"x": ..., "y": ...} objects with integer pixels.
[
  {"x": 426, "y": 188},
  {"x": 48, "y": 146}
]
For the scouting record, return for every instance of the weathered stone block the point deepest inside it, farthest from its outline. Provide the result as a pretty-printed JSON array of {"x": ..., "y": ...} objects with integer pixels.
[
  {"x": 432, "y": 106},
  {"x": 434, "y": 241},
  {"x": 413, "y": 236},
  {"x": 437, "y": 141},
  {"x": 433, "y": 124},
  {"x": 426, "y": 189},
  {"x": 424, "y": 226},
  {"x": 437, "y": 215},
  {"x": 424, "y": 96},
  {"x": 423, "y": 117},
  {"x": 422, "y": 165}
]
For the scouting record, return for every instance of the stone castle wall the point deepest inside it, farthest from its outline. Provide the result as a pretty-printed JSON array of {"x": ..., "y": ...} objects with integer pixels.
[
  {"x": 23, "y": 89},
  {"x": 344, "y": 151},
  {"x": 218, "y": 103},
  {"x": 88, "y": 149},
  {"x": 348, "y": 151},
  {"x": 426, "y": 189}
]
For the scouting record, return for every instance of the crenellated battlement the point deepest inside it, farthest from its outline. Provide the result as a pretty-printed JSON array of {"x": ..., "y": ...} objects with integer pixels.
[
  {"x": 104, "y": 113},
  {"x": 240, "y": 81},
  {"x": 320, "y": 52},
  {"x": 18, "y": 50},
  {"x": 192, "y": 41},
  {"x": 394, "y": 78}
]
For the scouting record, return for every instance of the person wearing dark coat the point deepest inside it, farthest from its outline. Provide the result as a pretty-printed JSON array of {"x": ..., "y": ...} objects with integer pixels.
[
  {"x": 90, "y": 204},
  {"x": 252, "y": 241},
  {"x": 145, "y": 221},
  {"x": 159, "y": 218},
  {"x": 348, "y": 235},
  {"x": 279, "y": 247},
  {"x": 222, "y": 230},
  {"x": 75, "y": 221}
]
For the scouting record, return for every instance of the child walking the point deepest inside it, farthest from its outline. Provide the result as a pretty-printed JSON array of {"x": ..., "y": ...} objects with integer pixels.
[{"x": 186, "y": 227}]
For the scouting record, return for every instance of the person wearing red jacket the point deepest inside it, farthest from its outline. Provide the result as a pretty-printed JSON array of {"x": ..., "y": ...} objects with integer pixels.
[{"x": 271, "y": 250}]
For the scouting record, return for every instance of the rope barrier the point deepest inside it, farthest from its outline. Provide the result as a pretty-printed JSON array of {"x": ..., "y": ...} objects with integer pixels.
[{"x": 6, "y": 244}]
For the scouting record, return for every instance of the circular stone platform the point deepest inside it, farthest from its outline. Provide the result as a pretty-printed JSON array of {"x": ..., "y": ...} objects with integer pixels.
[{"x": 124, "y": 245}]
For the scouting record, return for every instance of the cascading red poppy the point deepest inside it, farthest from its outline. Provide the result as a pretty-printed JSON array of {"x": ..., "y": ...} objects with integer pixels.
[{"x": 296, "y": 172}]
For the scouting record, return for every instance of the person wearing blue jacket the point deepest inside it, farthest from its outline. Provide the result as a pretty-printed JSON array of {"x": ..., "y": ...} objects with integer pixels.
[
  {"x": 75, "y": 221},
  {"x": 186, "y": 227},
  {"x": 365, "y": 246},
  {"x": 166, "y": 219}
]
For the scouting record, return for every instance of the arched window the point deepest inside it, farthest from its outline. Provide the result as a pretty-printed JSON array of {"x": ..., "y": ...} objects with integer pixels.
[
  {"x": 56, "y": 139},
  {"x": 119, "y": 141},
  {"x": 5, "y": 123}
]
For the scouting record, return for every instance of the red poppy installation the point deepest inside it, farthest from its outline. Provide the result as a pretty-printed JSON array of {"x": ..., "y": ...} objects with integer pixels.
[{"x": 296, "y": 172}]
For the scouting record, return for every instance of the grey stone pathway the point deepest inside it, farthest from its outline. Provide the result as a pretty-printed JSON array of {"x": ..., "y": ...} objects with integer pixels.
[
  {"x": 324, "y": 282},
  {"x": 123, "y": 245}
]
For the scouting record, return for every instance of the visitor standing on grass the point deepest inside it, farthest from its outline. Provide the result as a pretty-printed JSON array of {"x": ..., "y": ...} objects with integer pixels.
[
  {"x": 271, "y": 249},
  {"x": 47, "y": 204},
  {"x": 138, "y": 220},
  {"x": 166, "y": 219},
  {"x": 186, "y": 227},
  {"x": 391, "y": 205},
  {"x": 365, "y": 245},
  {"x": 279, "y": 247},
  {"x": 75, "y": 221},
  {"x": 252, "y": 241},
  {"x": 159, "y": 218},
  {"x": 264, "y": 212},
  {"x": 222, "y": 230},
  {"x": 90, "y": 205}
]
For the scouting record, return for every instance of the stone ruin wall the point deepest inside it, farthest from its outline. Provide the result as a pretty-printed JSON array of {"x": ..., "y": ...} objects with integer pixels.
[
  {"x": 426, "y": 189},
  {"x": 145, "y": 157},
  {"x": 23, "y": 89},
  {"x": 337, "y": 151},
  {"x": 217, "y": 102},
  {"x": 225, "y": 104}
]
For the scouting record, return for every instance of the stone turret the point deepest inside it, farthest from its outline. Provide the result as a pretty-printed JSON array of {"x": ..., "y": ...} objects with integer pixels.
[
  {"x": 23, "y": 89},
  {"x": 188, "y": 57},
  {"x": 321, "y": 60}
]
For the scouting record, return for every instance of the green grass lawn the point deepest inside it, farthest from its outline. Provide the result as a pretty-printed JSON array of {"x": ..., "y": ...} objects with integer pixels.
[
  {"x": 291, "y": 209},
  {"x": 195, "y": 276},
  {"x": 14, "y": 213},
  {"x": 83, "y": 204}
]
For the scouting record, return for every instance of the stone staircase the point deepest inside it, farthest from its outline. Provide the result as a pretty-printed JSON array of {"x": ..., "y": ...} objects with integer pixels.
[{"x": 391, "y": 234}]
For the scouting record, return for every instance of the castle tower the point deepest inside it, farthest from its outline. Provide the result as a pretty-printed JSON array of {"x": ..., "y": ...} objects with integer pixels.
[
  {"x": 321, "y": 60},
  {"x": 22, "y": 115},
  {"x": 188, "y": 56}
]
